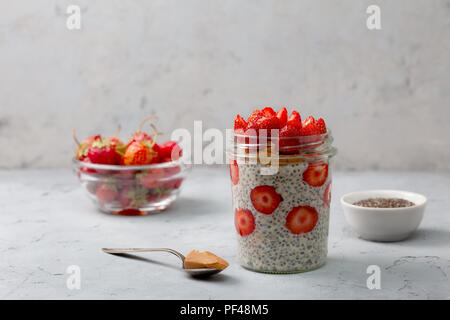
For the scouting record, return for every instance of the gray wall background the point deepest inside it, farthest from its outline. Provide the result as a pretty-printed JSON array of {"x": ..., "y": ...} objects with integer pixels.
[{"x": 385, "y": 94}]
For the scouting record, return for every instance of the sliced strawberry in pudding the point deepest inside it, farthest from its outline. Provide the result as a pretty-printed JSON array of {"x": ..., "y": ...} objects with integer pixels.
[
  {"x": 234, "y": 172},
  {"x": 327, "y": 195},
  {"x": 316, "y": 174},
  {"x": 244, "y": 221},
  {"x": 302, "y": 219},
  {"x": 265, "y": 199}
]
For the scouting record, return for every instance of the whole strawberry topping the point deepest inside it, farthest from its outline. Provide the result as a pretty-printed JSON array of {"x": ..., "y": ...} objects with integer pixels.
[
  {"x": 244, "y": 221},
  {"x": 234, "y": 172},
  {"x": 316, "y": 174},
  {"x": 265, "y": 199},
  {"x": 302, "y": 219}
]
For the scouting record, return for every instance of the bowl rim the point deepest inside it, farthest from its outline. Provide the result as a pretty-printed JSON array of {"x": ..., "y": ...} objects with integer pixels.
[
  {"x": 117, "y": 167},
  {"x": 345, "y": 202}
]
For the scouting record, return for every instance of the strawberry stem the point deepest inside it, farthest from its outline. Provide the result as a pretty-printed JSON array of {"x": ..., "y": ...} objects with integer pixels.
[
  {"x": 118, "y": 131},
  {"x": 74, "y": 135},
  {"x": 152, "y": 116},
  {"x": 155, "y": 133}
]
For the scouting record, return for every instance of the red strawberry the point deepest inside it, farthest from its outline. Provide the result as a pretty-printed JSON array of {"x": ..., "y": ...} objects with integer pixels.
[
  {"x": 327, "y": 195},
  {"x": 268, "y": 112},
  {"x": 294, "y": 120},
  {"x": 171, "y": 171},
  {"x": 133, "y": 197},
  {"x": 172, "y": 183},
  {"x": 240, "y": 124},
  {"x": 302, "y": 219},
  {"x": 140, "y": 153},
  {"x": 170, "y": 150},
  {"x": 234, "y": 172},
  {"x": 244, "y": 221},
  {"x": 316, "y": 174},
  {"x": 151, "y": 178},
  {"x": 269, "y": 123},
  {"x": 254, "y": 117},
  {"x": 265, "y": 199},
  {"x": 82, "y": 147},
  {"x": 321, "y": 127},
  {"x": 85, "y": 169},
  {"x": 283, "y": 116},
  {"x": 289, "y": 138},
  {"x": 106, "y": 193},
  {"x": 102, "y": 151},
  {"x": 312, "y": 126},
  {"x": 118, "y": 144}
]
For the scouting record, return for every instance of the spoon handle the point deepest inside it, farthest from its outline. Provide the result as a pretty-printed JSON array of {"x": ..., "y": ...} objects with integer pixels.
[{"x": 135, "y": 250}]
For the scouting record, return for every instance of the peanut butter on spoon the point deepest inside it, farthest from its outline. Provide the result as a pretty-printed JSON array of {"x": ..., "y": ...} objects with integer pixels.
[{"x": 206, "y": 259}]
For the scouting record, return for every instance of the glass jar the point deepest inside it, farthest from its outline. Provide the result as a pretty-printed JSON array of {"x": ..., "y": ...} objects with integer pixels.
[{"x": 281, "y": 191}]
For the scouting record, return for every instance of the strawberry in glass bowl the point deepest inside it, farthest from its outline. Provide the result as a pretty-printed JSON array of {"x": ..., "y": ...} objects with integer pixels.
[{"x": 134, "y": 178}]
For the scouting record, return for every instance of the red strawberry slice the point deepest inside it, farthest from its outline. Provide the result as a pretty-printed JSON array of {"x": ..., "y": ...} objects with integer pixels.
[
  {"x": 254, "y": 117},
  {"x": 289, "y": 139},
  {"x": 294, "y": 119},
  {"x": 316, "y": 174},
  {"x": 283, "y": 116},
  {"x": 268, "y": 112},
  {"x": 265, "y": 199},
  {"x": 234, "y": 172},
  {"x": 244, "y": 221},
  {"x": 327, "y": 195},
  {"x": 321, "y": 127},
  {"x": 240, "y": 124},
  {"x": 269, "y": 123},
  {"x": 312, "y": 126},
  {"x": 302, "y": 219}
]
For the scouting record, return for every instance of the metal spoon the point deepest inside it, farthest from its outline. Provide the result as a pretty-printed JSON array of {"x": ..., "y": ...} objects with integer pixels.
[{"x": 204, "y": 272}]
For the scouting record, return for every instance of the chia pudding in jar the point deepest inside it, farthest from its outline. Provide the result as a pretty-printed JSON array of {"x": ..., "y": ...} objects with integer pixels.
[{"x": 282, "y": 207}]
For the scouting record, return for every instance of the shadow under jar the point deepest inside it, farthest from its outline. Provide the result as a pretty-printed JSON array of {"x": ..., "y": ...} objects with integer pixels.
[
  {"x": 281, "y": 191},
  {"x": 131, "y": 190}
]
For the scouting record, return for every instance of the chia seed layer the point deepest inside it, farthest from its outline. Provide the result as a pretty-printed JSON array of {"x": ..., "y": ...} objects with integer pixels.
[{"x": 271, "y": 247}]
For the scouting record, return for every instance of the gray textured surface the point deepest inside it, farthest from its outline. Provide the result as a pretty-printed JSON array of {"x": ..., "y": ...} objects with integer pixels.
[
  {"x": 385, "y": 93},
  {"x": 47, "y": 224}
]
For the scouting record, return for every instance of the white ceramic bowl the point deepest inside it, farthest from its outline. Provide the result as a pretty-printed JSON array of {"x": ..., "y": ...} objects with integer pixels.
[{"x": 383, "y": 224}]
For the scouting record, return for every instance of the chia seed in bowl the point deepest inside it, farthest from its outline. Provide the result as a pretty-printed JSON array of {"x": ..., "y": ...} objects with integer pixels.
[{"x": 384, "y": 203}]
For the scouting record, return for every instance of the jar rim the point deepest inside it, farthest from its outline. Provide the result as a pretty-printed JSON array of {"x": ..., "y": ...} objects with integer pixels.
[{"x": 317, "y": 146}]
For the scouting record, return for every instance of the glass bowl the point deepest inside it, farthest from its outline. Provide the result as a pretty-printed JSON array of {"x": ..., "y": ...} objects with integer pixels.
[{"x": 131, "y": 190}]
